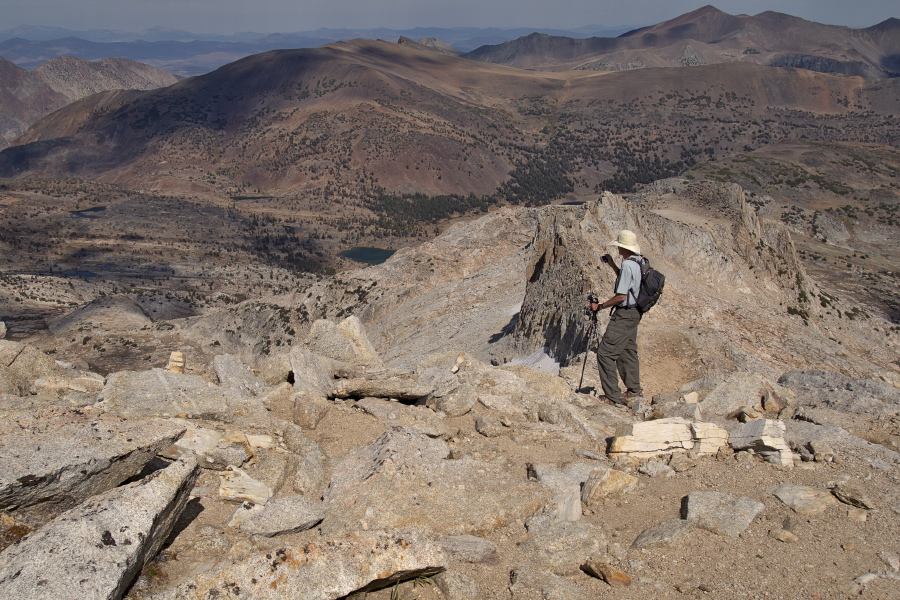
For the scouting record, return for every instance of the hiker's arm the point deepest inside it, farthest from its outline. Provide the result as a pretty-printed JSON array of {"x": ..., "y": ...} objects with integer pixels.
[
  {"x": 612, "y": 265},
  {"x": 617, "y": 299}
]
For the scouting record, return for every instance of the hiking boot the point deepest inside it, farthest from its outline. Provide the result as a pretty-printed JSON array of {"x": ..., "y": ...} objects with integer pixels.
[
  {"x": 604, "y": 398},
  {"x": 628, "y": 395}
]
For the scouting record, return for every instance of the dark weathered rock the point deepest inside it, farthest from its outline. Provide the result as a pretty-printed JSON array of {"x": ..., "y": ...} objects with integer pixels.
[
  {"x": 96, "y": 549},
  {"x": 852, "y": 495}
]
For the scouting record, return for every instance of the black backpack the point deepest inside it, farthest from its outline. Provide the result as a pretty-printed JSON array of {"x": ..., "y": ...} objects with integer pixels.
[{"x": 652, "y": 283}]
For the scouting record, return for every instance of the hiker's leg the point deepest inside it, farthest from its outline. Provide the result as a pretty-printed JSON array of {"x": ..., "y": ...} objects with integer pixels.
[
  {"x": 608, "y": 352},
  {"x": 627, "y": 364}
]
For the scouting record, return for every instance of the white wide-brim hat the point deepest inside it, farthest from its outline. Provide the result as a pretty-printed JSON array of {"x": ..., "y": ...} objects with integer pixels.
[{"x": 628, "y": 240}]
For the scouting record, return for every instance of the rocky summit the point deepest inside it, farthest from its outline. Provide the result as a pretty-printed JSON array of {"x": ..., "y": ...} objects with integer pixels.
[{"x": 434, "y": 430}]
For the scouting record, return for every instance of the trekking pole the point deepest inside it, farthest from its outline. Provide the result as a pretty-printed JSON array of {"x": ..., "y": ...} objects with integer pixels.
[{"x": 587, "y": 348}]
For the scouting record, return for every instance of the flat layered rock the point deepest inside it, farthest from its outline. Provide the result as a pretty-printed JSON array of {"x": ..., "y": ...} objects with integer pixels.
[
  {"x": 651, "y": 438},
  {"x": 60, "y": 465},
  {"x": 77, "y": 389},
  {"x": 666, "y": 534},
  {"x": 97, "y": 549},
  {"x": 360, "y": 562}
]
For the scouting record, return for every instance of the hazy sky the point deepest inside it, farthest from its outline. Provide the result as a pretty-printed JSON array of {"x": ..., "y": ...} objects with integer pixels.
[{"x": 230, "y": 16}]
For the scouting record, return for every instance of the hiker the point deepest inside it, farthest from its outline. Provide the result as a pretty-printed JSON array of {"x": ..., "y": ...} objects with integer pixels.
[{"x": 617, "y": 352}]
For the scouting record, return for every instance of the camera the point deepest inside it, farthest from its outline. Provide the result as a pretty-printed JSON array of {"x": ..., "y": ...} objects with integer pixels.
[
  {"x": 593, "y": 299},
  {"x": 603, "y": 258}
]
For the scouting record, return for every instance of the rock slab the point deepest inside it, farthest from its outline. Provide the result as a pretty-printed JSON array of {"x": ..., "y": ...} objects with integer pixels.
[
  {"x": 720, "y": 513},
  {"x": 63, "y": 466},
  {"x": 804, "y": 500},
  {"x": 96, "y": 549},
  {"x": 361, "y": 562}
]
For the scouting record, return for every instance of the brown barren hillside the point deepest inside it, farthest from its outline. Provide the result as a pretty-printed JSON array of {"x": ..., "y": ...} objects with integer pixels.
[
  {"x": 27, "y": 96},
  {"x": 346, "y": 119}
]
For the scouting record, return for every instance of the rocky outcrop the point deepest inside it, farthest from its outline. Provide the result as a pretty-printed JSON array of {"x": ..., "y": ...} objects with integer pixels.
[
  {"x": 565, "y": 261},
  {"x": 327, "y": 473},
  {"x": 97, "y": 549},
  {"x": 58, "y": 463},
  {"x": 21, "y": 365}
]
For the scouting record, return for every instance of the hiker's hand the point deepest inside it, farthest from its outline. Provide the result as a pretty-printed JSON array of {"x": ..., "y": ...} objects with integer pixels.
[
  {"x": 608, "y": 260},
  {"x": 595, "y": 306}
]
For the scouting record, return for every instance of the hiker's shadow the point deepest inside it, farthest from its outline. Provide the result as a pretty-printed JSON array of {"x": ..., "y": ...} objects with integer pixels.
[{"x": 505, "y": 330}]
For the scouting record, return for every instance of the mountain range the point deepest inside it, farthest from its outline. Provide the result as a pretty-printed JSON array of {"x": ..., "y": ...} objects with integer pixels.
[
  {"x": 346, "y": 118},
  {"x": 185, "y": 53},
  {"x": 25, "y": 96},
  {"x": 710, "y": 36}
]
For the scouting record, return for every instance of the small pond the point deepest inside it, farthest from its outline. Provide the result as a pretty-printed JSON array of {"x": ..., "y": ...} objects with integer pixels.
[{"x": 369, "y": 256}]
